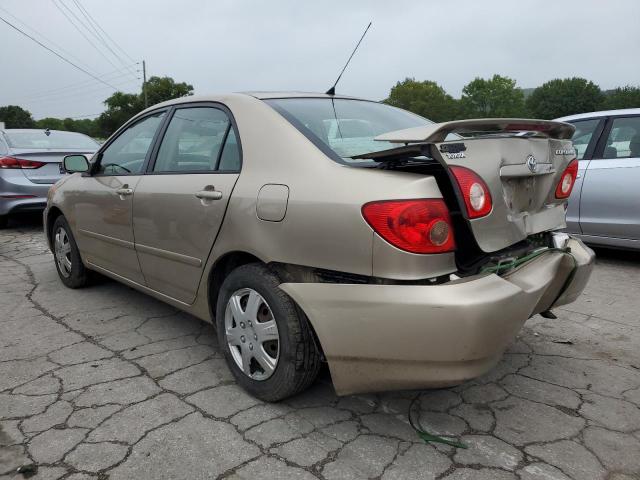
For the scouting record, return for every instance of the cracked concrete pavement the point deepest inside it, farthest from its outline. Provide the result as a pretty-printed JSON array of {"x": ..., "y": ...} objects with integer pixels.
[{"x": 106, "y": 382}]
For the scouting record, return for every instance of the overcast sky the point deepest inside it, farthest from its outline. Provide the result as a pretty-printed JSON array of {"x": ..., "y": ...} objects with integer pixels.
[{"x": 237, "y": 45}]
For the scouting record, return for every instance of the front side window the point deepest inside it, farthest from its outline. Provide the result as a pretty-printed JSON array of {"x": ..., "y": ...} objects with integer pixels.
[
  {"x": 624, "y": 138},
  {"x": 347, "y": 127},
  {"x": 127, "y": 153},
  {"x": 583, "y": 134},
  {"x": 194, "y": 140}
]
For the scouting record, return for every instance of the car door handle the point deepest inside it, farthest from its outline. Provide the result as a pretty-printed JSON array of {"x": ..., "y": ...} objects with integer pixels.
[
  {"x": 124, "y": 191},
  {"x": 209, "y": 194}
]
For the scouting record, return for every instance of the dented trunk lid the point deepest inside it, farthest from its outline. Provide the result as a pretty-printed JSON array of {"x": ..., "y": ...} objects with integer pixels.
[{"x": 521, "y": 162}]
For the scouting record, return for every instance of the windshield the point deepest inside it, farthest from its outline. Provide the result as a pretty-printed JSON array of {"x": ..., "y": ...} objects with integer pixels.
[
  {"x": 347, "y": 127},
  {"x": 54, "y": 140}
]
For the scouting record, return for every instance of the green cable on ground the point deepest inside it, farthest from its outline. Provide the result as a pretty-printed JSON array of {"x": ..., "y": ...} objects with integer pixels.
[{"x": 429, "y": 437}]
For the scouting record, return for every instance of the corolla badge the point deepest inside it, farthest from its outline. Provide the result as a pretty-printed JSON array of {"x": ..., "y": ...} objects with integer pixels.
[
  {"x": 532, "y": 163},
  {"x": 565, "y": 151}
]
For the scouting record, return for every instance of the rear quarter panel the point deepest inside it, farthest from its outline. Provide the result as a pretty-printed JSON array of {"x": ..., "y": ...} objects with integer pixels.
[{"x": 323, "y": 226}]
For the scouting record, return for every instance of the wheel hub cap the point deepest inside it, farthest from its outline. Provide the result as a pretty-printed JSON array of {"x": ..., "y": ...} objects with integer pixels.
[
  {"x": 252, "y": 334},
  {"x": 62, "y": 251}
]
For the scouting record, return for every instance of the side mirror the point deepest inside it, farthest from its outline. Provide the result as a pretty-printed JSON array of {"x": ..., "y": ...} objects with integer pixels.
[{"x": 75, "y": 163}]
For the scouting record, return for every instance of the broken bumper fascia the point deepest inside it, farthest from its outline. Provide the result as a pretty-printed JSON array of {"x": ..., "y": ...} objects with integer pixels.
[{"x": 388, "y": 337}]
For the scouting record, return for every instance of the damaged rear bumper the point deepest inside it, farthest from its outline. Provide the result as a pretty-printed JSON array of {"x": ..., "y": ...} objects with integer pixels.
[{"x": 388, "y": 337}]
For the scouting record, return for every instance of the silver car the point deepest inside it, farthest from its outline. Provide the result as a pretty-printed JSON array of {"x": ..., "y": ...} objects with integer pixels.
[
  {"x": 604, "y": 207},
  {"x": 30, "y": 162}
]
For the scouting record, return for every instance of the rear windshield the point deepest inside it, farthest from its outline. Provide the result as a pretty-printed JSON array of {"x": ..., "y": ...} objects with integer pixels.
[
  {"x": 346, "y": 127},
  {"x": 52, "y": 140}
]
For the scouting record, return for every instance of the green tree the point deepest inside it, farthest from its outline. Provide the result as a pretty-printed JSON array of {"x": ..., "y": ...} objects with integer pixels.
[
  {"x": 51, "y": 123},
  {"x": 14, "y": 116},
  {"x": 497, "y": 96},
  {"x": 122, "y": 106},
  {"x": 561, "y": 97},
  {"x": 85, "y": 125},
  {"x": 426, "y": 98},
  {"x": 161, "y": 89},
  {"x": 622, "y": 97}
]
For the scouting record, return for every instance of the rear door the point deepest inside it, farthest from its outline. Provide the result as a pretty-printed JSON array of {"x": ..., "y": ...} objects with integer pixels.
[
  {"x": 584, "y": 141},
  {"x": 180, "y": 203},
  {"x": 610, "y": 200},
  {"x": 104, "y": 202}
]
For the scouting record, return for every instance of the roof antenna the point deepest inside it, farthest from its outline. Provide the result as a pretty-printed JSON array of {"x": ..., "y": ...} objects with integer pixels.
[{"x": 332, "y": 90}]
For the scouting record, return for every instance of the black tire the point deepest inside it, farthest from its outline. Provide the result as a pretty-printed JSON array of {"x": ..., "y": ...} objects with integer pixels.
[
  {"x": 298, "y": 362},
  {"x": 78, "y": 276},
  {"x": 4, "y": 220}
]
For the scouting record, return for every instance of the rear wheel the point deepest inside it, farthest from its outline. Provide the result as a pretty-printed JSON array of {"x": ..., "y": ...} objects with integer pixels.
[
  {"x": 265, "y": 338},
  {"x": 69, "y": 265},
  {"x": 4, "y": 219}
]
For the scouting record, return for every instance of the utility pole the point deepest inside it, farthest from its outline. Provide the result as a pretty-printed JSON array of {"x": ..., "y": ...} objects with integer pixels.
[{"x": 144, "y": 83}]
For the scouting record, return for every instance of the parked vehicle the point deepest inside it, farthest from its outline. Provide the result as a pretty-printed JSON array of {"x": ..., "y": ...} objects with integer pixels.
[
  {"x": 604, "y": 207},
  {"x": 404, "y": 259},
  {"x": 30, "y": 162}
]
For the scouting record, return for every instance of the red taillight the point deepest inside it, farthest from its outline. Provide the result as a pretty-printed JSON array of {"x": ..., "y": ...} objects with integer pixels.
[
  {"x": 10, "y": 162},
  {"x": 567, "y": 179},
  {"x": 417, "y": 226},
  {"x": 474, "y": 191}
]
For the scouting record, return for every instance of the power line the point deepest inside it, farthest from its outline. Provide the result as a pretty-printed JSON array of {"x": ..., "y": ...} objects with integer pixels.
[
  {"x": 55, "y": 53},
  {"x": 84, "y": 83},
  {"x": 112, "y": 75},
  {"x": 77, "y": 2},
  {"x": 96, "y": 33},
  {"x": 47, "y": 39},
  {"x": 80, "y": 31},
  {"x": 66, "y": 96}
]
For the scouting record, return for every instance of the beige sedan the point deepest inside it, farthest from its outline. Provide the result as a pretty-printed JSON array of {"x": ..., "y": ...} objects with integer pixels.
[{"x": 312, "y": 228}]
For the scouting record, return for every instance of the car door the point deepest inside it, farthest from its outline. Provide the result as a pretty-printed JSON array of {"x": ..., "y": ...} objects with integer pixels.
[
  {"x": 104, "y": 202},
  {"x": 584, "y": 140},
  {"x": 180, "y": 203},
  {"x": 610, "y": 200}
]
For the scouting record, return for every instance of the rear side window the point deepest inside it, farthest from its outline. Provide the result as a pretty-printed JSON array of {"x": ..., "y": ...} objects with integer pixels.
[
  {"x": 347, "y": 127},
  {"x": 230, "y": 158},
  {"x": 624, "y": 138},
  {"x": 196, "y": 140},
  {"x": 583, "y": 135}
]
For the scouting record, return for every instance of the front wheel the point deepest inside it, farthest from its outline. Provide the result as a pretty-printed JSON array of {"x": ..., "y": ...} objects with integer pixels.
[
  {"x": 266, "y": 339},
  {"x": 69, "y": 265}
]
